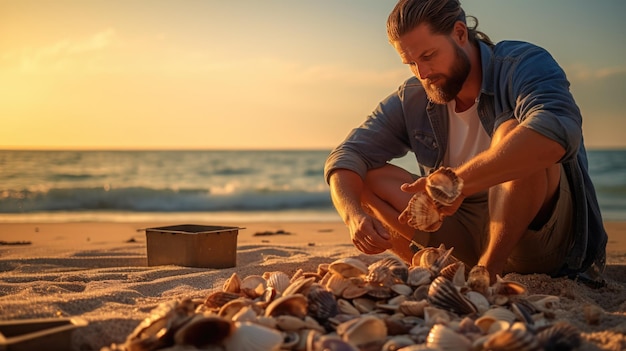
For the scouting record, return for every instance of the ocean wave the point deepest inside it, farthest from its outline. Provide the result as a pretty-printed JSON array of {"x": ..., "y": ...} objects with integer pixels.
[{"x": 141, "y": 199}]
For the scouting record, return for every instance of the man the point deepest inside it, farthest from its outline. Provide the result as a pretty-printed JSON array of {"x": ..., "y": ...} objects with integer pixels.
[{"x": 502, "y": 118}]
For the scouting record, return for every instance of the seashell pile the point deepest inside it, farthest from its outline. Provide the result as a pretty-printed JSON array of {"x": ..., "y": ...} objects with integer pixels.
[
  {"x": 443, "y": 186},
  {"x": 431, "y": 304}
]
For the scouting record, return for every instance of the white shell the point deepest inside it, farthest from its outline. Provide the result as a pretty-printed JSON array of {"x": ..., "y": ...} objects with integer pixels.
[
  {"x": 253, "y": 337},
  {"x": 348, "y": 267},
  {"x": 444, "y": 186}
]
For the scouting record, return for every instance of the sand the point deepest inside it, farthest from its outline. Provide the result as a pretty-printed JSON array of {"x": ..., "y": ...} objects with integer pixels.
[{"x": 98, "y": 271}]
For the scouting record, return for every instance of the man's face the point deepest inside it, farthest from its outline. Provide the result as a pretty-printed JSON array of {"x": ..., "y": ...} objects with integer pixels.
[{"x": 436, "y": 60}]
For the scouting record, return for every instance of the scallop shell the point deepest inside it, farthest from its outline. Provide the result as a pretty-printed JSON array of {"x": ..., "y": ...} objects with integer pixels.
[
  {"x": 479, "y": 300},
  {"x": 279, "y": 281},
  {"x": 348, "y": 267},
  {"x": 337, "y": 284},
  {"x": 442, "y": 293},
  {"x": 423, "y": 213},
  {"x": 455, "y": 272},
  {"x": 512, "y": 339},
  {"x": 232, "y": 307},
  {"x": 560, "y": 336},
  {"x": 444, "y": 186},
  {"x": 394, "y": 266},
  {"x": 253, "y": 337},
  {"x": 299, "y": 285},
  {"x": 321, "y": 304},
  {"x": 363, "y": 330},
  {"x": 194, "y": 332},
  {"x": 441, "y": 337}
]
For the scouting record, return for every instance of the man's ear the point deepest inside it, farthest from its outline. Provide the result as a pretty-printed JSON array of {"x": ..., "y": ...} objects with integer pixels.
[{"x": 460, "y": 32}]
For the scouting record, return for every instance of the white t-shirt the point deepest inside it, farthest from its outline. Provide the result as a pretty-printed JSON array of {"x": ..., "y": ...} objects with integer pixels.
[{"x": 466, "y": 135}]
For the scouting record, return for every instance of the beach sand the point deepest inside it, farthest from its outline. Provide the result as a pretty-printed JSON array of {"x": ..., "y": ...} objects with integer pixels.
[{"x": 98, "y": 271}]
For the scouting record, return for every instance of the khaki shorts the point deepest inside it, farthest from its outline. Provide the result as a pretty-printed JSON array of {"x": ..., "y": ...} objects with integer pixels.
[{"x": 538, "y": 251}]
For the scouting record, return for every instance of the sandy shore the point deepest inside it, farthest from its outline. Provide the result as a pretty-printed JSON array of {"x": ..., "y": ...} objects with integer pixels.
[{"x": 99, "y": 271}]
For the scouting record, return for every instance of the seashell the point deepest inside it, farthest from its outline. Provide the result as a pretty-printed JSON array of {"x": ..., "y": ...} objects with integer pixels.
[
  {"x": 402, "y": 289},
  {"x": 229, "y": 309},
  {"x": 413, "y": 308},
  {"x": 158, "y": 328},
  {"x": 294, "y": 305},
  {"x": 443, "y": 293},
  {"x": 419, "y": 276},
  {"x": 363, "y": 330},
  {"x": 508, "y": 288},
  {"x": 232, "y": 284},
  {"x": 395, "y": 266},
  {"x": 321, "y": 304},
  {"x": 253, "y": 337},
  {"x": 218, "y": 299},
  {"x": 512, "y": 339},
  {"x": 523, "y": 311},
  {"x": 364, "y": 305},
  {"x": 397, "y": 342},
  {"x": 337, "y": 284},
  {"x": 195, "y": 333},
  {"x": 478, "y": 279},
  {"x": 291, "y": 339},
  {"x": 322, "y": 269},
  {"x": 299, "y": 286},
  {"x": 434, "y": 315},
  {"x": 455, "y": 272},
  {"x": 479, "y": 300},
  {"x": 442, "y": 337},
  {"x": 346, "y": 307},
  {"x": 444, "y": 186},
  {"x": 423, "y": 214},
  {"x": 560, "y": 336},
  {"x": 290, "y": 323},
  {"x": 378, "y": 291},
  {"x": 253, "y": 286},
  {"x": 421, "y": 292},
  {"x": 279, "y": 281},
  {"x": 330, "y": 343},
  {"x": 494, "y": 315},
  {"x": 354, "y": 291},
  {"x": 348, "y": 267},
  {"x": 246, "y": 314}
]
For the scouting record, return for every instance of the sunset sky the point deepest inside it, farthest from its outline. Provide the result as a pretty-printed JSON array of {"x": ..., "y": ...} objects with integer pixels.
[{"x": 271, "y": 74}]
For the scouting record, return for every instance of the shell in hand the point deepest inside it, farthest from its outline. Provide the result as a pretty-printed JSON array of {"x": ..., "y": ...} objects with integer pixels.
[
  {"x": 444, "y": 186},
  {"x": 423, "y": 214}
]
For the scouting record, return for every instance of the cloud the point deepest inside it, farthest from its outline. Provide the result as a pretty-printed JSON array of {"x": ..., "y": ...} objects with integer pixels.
[
  {"x": 66, "y": 53},
  {"x": 585, "y": 73}
]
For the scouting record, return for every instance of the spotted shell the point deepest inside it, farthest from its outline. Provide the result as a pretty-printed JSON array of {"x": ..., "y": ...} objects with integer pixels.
[
  {"x": 423, "y": 213},
  {"x": 444, "y": 186},
  {"x": 478, "y": 279}
]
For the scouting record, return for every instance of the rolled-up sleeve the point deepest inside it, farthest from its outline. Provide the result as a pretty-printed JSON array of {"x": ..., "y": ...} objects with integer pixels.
[
  {"x": 543, "y": 101},
  {"x": 381, "y": 138}
]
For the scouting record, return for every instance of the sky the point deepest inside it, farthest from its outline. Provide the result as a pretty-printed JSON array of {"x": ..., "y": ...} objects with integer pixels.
[{"x": 271, "y": 74}]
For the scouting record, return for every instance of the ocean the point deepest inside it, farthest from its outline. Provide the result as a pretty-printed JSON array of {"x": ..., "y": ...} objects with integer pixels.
[{"x": 207, "y": 186}]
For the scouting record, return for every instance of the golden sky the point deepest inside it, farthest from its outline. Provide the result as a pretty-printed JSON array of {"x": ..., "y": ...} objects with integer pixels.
[{"x": 275, "y": 74}]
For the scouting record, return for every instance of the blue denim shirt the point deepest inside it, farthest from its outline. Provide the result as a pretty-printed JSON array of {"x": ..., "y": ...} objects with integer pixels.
[{"x": 520, "y": 80}]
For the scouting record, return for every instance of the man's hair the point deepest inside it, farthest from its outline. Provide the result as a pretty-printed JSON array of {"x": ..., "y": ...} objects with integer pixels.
[{"x": 440, "y": 15}]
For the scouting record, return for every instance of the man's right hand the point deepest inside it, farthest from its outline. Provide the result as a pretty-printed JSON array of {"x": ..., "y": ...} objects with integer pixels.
[{"x": 369, "y": 235}]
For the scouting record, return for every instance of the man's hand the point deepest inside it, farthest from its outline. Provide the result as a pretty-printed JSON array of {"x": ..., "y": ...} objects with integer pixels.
[{"x": 368, "y": 235}]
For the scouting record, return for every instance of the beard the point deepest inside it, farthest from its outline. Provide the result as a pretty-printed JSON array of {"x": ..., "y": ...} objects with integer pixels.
[{"x": 449, "y": 85}]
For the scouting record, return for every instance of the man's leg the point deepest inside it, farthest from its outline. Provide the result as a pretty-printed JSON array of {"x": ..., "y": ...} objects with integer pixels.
[
  {"x": 385, "y": 201},
  {"x": 516, "y": 206}
]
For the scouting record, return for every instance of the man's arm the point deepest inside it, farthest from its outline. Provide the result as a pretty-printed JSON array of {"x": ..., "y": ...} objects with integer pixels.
[{"x": 346, "y": 188}]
